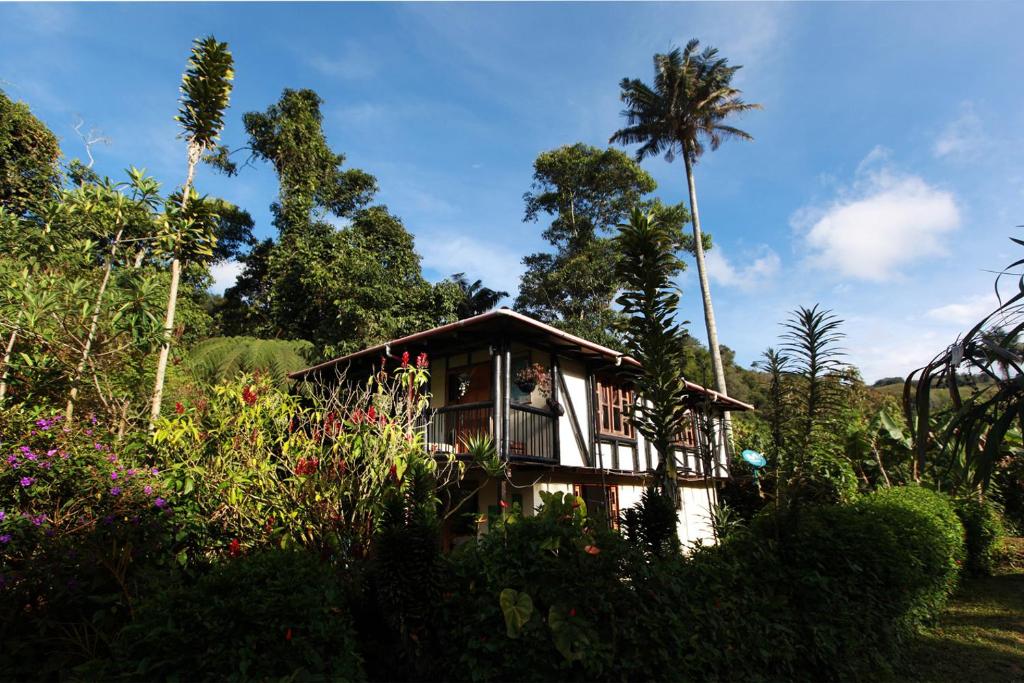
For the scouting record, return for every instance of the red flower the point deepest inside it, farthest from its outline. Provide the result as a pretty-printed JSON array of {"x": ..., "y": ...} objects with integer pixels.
[
  {"x": 502, "y": 503},
  {"x": 421, "y": 361},
  {"x": 248, "y": 395},
  {"x": 394, "y": 472},
  {"x": 592, "y": 550},
  {"x": 178, "y": 408},
  {"x": 235, "y": 548},
  {"x": 405, "y": 359},
  {"x": 305, "y": 466},
  {"x": 371, "y": 414},
  {"x": 357, "y": 416},
  {"x": 572, "y": 612},
  {"x": 288, "y": 634}
]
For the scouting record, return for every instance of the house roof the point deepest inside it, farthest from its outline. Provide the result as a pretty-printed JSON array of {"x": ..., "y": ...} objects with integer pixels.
[{"x": 478, "y": 330}]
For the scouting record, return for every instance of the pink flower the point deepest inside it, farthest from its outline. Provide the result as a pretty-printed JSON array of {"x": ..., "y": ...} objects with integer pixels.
[{"x": 27, "y": 481}]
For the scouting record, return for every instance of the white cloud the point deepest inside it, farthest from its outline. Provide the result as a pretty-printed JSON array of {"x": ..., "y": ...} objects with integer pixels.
[
  {"x": 750, "y": 275},
  {"x": 962, "y": 138},
  {"x": 885, "y": 221},
  {"x": 966, "y": 312},
  {"x": 224, "y": 275},
  {"x": 449, "y": 253}
]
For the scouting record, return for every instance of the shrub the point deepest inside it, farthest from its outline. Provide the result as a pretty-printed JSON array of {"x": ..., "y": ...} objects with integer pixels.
[
  {"x": 984, "y": 534},
  {"x": 83, "y": 528},
  {"x": 270, "y": 615},
  {"x": 932, "y": 537},
  {"x": 543, "y": 598}
]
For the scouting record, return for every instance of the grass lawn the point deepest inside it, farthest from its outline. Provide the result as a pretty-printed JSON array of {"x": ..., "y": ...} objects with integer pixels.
[{"x": 980, "y": 637}]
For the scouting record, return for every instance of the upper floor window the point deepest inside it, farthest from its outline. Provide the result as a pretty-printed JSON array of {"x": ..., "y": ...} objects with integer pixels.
[
  {"x": 687, "y": 437},
  {"x": 614, "y": 401}
]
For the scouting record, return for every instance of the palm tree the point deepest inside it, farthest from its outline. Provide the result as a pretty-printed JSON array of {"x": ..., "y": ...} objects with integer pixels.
[
  {"x": 684, "y": 110},
  {"x": 205, "y": 90},
  {"x": 476, "y": 298}
]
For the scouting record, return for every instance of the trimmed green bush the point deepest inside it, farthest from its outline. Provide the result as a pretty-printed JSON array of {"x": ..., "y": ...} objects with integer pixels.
[
  {"x": 985, "y": 532},
  {"x": 931, "y": 536},
  {"x": 274, "y": 614}
]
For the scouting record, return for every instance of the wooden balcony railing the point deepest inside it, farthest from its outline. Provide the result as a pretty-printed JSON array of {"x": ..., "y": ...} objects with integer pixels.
[{"x": 531, "y": 431}]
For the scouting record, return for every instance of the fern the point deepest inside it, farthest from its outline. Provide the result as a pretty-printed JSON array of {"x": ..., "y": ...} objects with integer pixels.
[{"x": 223, "y": 358}]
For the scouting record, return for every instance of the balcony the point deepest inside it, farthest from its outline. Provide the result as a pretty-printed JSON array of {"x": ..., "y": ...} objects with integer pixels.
[{"x": 531, "y": 431}]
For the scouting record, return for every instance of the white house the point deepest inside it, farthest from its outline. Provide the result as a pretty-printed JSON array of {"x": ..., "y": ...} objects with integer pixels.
[{"x": 573, "y": 437}]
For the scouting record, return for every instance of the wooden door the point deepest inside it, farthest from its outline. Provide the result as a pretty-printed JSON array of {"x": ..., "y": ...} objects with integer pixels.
[{"x": 471, "y": 385}]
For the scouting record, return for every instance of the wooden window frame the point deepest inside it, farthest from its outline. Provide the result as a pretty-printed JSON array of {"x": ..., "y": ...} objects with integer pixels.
[{"x": 614, "y": 398}]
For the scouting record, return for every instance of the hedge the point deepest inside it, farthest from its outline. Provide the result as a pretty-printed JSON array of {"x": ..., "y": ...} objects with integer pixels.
[{"x": 985, "y": 533}]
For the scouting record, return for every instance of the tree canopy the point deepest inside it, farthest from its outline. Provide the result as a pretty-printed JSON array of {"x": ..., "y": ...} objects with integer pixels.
[{"x": 585, "y": 191}]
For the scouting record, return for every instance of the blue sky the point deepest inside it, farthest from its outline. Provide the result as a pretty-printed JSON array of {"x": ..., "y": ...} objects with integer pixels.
[{"x": 883, "y": 182}]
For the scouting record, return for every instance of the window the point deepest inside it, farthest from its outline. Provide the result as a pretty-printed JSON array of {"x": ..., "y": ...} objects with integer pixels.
[
  {"x": 687, "y": 438},
  {"x": 614, "y": 401},
  {"x": 602, "y": 502}
]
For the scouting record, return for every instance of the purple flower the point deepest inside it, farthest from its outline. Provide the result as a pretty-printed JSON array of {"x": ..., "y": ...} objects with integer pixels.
[
  {"x": 88, "y": 432},
  {"x": 147, "y": 490},
  {"x": 52, "y": 452},
  {"x": 46, "y": 464},
  {"x": 12, "y": 460},
  {"x": 113, "y": 475},
  {"x": 98, "y": 446},
  {"x": 3, "y": 515},
  {"x": 44, "y": 424},
  {"x": 31, "y": 456},
  {"x": 38, "y": 520},
  {"x": 130, "y": 472},
  {"x": 116, "y": 491},
  {"x": 155, "y": 471},
  {"x": 5, "y": 539},
  {"x": 112, "y": 458},
  {"x": 25, "y": 449},
  {"x": 160, "y": 503},
  {"x": 27, "y": 481},
  {"x": 92, "y": 419}
]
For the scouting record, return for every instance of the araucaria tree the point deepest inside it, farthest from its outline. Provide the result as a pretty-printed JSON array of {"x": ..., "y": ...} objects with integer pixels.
[
  {"x": 205, "y": 90},
  {"x": 686, "y": 109},
  {"x": 653, "y": 336}
]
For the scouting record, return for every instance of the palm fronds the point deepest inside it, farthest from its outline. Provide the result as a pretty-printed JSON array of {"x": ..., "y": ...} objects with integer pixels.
[{"x": 224, "y": 358}]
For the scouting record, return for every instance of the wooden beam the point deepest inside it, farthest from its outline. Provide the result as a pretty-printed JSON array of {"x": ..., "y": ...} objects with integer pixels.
[{"x": 573, "y": 421}]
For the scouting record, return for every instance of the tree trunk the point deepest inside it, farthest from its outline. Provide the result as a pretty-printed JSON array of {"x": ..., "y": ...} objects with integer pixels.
[
  {"x": 194, "y": 153},
  {"x": 97, "y": 306},
  {"x": 8, "y": 350},
  {"x": 705, "y": 292}
]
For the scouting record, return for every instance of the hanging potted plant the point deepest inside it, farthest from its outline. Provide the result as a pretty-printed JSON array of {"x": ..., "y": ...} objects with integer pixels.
[{"x": 532, "y": 377}]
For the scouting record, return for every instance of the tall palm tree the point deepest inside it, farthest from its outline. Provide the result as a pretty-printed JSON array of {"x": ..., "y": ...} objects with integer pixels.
[
  {"x": 205, "y": 90},
  {"x": 685, "y": 110},
  {"x": 476, "y": 299}
]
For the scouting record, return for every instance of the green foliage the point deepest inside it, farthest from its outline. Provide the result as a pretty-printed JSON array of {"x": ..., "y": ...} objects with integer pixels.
[
  {"x": 407, "y": 577},
  {"x": 650, "y": 301},
  {"x": 932, "y": 539},
  {"x": 29, "y": 152},
  {"x": 984, "y": 534},
  {"x": 586, "y": 191},
  {"x": 205, "y": 90},
  {"x": 475, "y": 298},
  {"x": 84, "y": 528},
  {"x": 541, "y": 598},
  {"x": 219, "y": 359},
  {"x": 686, "y": 108},
  {"x": 650, "y": 526},
  {"x": 272, "y": 614},
  {"x": 968, "y": 443}
]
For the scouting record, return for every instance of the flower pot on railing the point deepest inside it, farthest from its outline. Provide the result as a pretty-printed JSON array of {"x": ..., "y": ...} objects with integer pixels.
[{"x": 526, "y": 386}]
